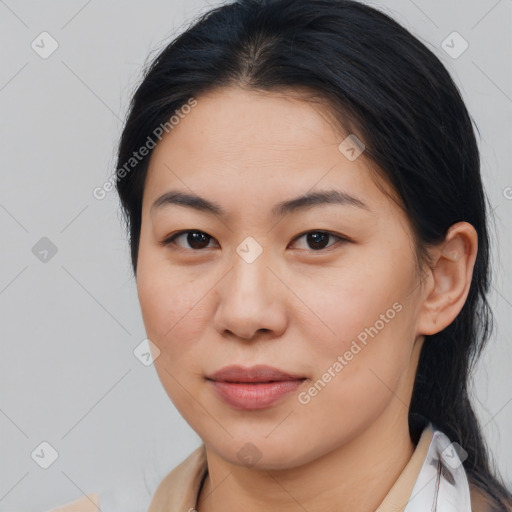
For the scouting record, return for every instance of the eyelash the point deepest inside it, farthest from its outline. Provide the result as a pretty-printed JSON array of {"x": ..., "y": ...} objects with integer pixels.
[{"x": 171, "y": 239}]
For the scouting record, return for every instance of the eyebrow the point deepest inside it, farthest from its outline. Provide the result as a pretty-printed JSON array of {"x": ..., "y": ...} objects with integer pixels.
[{"x": 280, "y": 209}]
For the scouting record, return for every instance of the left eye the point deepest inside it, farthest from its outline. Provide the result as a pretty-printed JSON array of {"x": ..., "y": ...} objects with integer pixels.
[
  {"x": 197, "y": 240},
  {"x": 318, "y": 240}
]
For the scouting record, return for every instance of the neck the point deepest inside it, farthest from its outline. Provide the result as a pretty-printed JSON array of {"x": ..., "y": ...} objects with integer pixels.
[{"x": 354, "y": 476}]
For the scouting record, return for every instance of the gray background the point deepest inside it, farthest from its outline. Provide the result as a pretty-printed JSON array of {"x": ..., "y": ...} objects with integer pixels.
[{"x": 70, "y": 324}]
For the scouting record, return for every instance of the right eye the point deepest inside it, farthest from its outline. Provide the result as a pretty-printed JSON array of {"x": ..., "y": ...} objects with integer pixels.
[{"x": 196, "y": 239}]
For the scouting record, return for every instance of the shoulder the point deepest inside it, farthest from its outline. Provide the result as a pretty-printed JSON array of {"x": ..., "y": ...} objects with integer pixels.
[
  {"x": 481, "y": 502},
  {"x": 88, "y": 503},
  {"x": 186, "y": 469},
  {"x": 181, "y": 485}
]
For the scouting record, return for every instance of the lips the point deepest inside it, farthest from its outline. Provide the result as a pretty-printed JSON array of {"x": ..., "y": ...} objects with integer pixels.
[
  {"x": 256, "y": 387},
  {"x": 258, "y": 373}
]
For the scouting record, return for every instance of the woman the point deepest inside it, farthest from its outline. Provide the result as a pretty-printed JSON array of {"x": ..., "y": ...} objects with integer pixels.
[{"x": 308, "y": 232}]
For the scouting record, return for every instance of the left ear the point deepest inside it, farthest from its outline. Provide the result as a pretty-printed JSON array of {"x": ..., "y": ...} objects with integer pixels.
[{"x": 449, "y": 279}]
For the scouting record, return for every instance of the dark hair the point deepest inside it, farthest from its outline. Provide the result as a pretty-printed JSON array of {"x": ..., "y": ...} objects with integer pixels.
[{"x": 387, "y": 87}]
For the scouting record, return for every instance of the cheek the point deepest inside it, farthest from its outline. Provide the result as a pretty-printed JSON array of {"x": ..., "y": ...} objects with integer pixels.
[
  {"x": 350, "y": 305},
  {"x": 367, "y": 333},
  {"x": 171, "y": 304},
  {"x": 357, "y": 377},
  {"x": 173, "y": 321}
]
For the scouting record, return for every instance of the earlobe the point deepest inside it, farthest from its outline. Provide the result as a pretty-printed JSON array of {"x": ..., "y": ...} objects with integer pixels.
[{"x": 451, "y": 274}]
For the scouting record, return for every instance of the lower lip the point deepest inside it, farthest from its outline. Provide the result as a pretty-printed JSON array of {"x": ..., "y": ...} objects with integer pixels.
[{"x": 242, "y": 395}]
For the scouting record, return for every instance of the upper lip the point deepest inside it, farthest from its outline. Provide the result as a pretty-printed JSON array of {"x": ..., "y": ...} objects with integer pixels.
[{"x": 258, "y": 373}]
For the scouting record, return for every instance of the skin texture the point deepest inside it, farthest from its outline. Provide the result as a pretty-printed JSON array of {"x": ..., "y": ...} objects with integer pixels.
[{"x": 294, "y": 307}]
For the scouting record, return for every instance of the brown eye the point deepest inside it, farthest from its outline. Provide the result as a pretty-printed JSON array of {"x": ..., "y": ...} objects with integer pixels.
[
  {"x": 318, "y": 240},
  {"x": 195, "y": 239}
]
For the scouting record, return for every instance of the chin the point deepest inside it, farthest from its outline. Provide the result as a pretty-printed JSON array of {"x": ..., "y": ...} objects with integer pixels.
[{"x": 262, "y": 453}]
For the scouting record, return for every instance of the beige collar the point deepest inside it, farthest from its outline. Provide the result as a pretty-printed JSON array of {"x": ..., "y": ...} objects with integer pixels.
[{"x": 179, "y": 490}]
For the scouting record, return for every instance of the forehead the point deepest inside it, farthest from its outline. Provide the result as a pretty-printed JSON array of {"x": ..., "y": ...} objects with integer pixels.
[{"x": 247, "y": 143}]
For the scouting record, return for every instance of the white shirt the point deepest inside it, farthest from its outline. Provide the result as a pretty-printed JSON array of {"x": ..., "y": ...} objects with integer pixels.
[{"x": 434, "y": 480}]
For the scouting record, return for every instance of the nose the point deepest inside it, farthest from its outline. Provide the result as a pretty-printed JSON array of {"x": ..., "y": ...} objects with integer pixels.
[{"x": 251, "y": 298}]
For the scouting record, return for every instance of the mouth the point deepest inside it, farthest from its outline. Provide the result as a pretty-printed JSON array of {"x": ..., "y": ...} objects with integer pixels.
[{"x": 255, "y": 387}]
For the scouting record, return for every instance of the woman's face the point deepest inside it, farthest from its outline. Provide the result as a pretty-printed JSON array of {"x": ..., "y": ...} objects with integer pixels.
[{"x": 256, "y": 285}]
